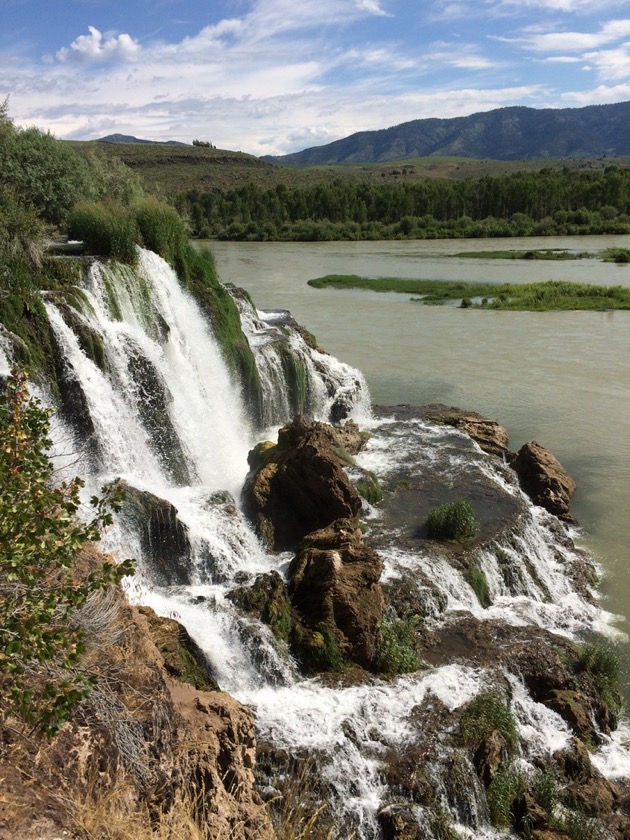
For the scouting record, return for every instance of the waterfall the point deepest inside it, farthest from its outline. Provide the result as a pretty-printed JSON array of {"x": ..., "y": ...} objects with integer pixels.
[
  {"x": 157, "y": 407},
  {"x": 296, "y": 377}
]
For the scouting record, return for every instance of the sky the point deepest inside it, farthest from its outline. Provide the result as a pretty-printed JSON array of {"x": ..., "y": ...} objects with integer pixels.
[{"x": 279, "y": 76}]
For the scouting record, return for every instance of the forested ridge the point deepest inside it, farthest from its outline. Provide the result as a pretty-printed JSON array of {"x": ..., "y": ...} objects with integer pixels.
[{"x": 547, "y": 202}]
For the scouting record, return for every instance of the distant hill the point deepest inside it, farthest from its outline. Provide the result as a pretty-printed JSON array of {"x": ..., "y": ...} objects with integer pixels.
[
  {"x": 127, "y": 138},
  {"x": 514, "y": 133}
]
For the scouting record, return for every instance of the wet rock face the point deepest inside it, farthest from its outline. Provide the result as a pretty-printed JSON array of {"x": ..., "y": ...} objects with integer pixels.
[
  {"x": 163, "y": 536},
  {"x": 299, "y": 487},
  {"x": 183, "y": 658},
  {"x": 335, "y": 591},
  {"x": 544, "y": 479},
  {"x": 489, "y": 434}
]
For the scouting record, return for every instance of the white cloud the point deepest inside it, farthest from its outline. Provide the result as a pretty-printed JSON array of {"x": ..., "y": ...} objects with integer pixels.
[
  {"x": 98, "y": 47},
  {"x": 610, "y": 64},
  {"x": 568, "y": 6},
  {"x": 537, "y": 39},
  {"x": 372, "y": 6}
]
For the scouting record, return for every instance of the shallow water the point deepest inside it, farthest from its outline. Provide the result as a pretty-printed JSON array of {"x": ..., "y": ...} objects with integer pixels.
[{"x": 562, "y": 379}]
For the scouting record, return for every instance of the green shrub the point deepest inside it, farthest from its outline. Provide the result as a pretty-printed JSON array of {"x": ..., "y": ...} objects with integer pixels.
[
  {"x": 163, "y": 231},
  {"x": 604, "y": 664},
  {"x": 397, "y": 653},
  {"x": 107, "y": 229},
  {"x": 507, "y": 786},
  {"x": 40, "y": 591},
  {"x": 452, "y": 521},
  {"x": 477, "y": 580},
  {"x": 485, "y": 713}
]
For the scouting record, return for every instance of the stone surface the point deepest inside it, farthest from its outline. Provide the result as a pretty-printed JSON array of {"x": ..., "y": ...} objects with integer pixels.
[
  {"x": 544, "y": 479},
  {"x": 335, "y": 590},
  {"x": 300, "y": 486},
  {"x": 489, "y": 434},
  {"x": 142, "y": 747},
  {"x": 489, "y": 756}
]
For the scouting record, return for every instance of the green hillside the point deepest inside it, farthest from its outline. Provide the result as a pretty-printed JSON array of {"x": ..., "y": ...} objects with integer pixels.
[{"x": 168, "y": 170}]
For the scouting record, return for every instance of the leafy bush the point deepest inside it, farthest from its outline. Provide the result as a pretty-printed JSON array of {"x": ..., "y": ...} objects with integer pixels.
[
  {"x": 397, "y": 652},
  {"x": 452, "y": 521},
  {"x": 604, "y": 664},
  {"x": 485, "y": 713},
  {"x": 477, "y": 580},
  {"x": 46, "y": 175},
  {"x": 107, "y": 229},
  {"x": 40, "y": 590}
]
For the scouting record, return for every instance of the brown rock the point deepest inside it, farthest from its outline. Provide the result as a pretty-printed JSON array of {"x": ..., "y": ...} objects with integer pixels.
[
  {"x": 574, "y": 707},
  {"x": 489, "y": 756},
  {"x": 544, "y": 479},
  {"x": 300, "y": 487},
  {"x": 183, "y": 658},
  {"x": 489, "y": 434},
  {"x": 335, "y": 590},
  {"x": 143, "y": 749}
]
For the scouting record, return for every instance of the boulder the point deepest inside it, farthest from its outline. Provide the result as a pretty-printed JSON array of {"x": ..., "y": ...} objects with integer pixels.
[
  {"x": 490, "y": 755},
  {"x": 300, "y": 486},
  {"x": 183, "y": 658},
  {"x": 267, "y": 599},
  {"x": 336, "y": 595},
  {"x": 163, "y": 536},
  {"x": 490, "y": 435},
  {"x": 544, "y": 479}
]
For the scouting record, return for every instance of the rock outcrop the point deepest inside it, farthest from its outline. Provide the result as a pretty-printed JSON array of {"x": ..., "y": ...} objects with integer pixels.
[
  {"x": 299, "y": 486},
  {"x": 489, "y": 434},
  {"x": 335, "y": 591},
  {"x": 144, "y": 748},
  {"x": 544, "y": 479}
]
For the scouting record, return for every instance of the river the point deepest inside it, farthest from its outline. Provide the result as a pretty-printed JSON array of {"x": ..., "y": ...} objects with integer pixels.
[{"x": 562, "y": 378}]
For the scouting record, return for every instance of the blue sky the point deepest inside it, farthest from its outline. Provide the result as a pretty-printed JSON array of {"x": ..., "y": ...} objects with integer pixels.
[{"x": 276, "y": 76}]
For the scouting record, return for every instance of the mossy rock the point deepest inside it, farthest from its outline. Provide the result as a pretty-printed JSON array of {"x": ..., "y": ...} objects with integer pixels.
[
  {"x": 268, "y": 600},
  {"x": 316, "y": 650},
  {"x": 183, "y": 658},
  {"x": 256, "y": 456},
  {"x": 369, "y": 488}
]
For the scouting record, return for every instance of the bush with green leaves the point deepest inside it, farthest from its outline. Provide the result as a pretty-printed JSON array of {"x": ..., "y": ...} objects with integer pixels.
[
  {"x": 47, "y": 174},
  {"x": 452, "y": 521},
  {"x": 106, "y": 228},
  {"x": 40, "y": 587},
  {"x": 397, "y": 653},
  {"x": 485, "y": 713}
]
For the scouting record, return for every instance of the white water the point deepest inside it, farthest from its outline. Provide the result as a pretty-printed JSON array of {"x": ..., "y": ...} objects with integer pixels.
[{"x": 349, "y": 728}]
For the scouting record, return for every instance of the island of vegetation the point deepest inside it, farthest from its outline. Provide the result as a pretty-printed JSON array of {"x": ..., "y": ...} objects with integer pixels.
[{"x": 551, "y": 294}]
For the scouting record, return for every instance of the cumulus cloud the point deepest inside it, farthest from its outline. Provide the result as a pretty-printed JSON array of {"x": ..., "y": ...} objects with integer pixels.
[{"x": 97, "y": 47}]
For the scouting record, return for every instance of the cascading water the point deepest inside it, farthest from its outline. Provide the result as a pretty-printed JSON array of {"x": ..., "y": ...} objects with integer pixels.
[
  {"x": 296, "y": 377},
  {"x": 163, "y": 415}
]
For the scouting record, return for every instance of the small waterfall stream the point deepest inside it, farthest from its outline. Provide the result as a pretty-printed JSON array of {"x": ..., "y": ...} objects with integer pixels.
[{"x": 164, "y": 415}]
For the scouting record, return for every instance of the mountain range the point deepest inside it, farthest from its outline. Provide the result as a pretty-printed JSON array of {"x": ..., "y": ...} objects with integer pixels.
[{"x": 512, "y": 133}]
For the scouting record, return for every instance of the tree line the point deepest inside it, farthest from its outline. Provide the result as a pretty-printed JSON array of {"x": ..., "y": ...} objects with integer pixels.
[{"x": 546, "y": 202}]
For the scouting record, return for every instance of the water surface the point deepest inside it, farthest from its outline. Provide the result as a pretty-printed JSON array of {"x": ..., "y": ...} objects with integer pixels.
[{"x": 561, "y": 378}]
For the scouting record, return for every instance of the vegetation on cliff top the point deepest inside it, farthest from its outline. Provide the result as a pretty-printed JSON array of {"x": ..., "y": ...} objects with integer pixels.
[{"x": 50, "y": 189}]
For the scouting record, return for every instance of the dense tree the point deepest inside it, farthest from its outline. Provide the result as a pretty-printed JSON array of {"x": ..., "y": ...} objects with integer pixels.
[{"x": 521, "y": 204}]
